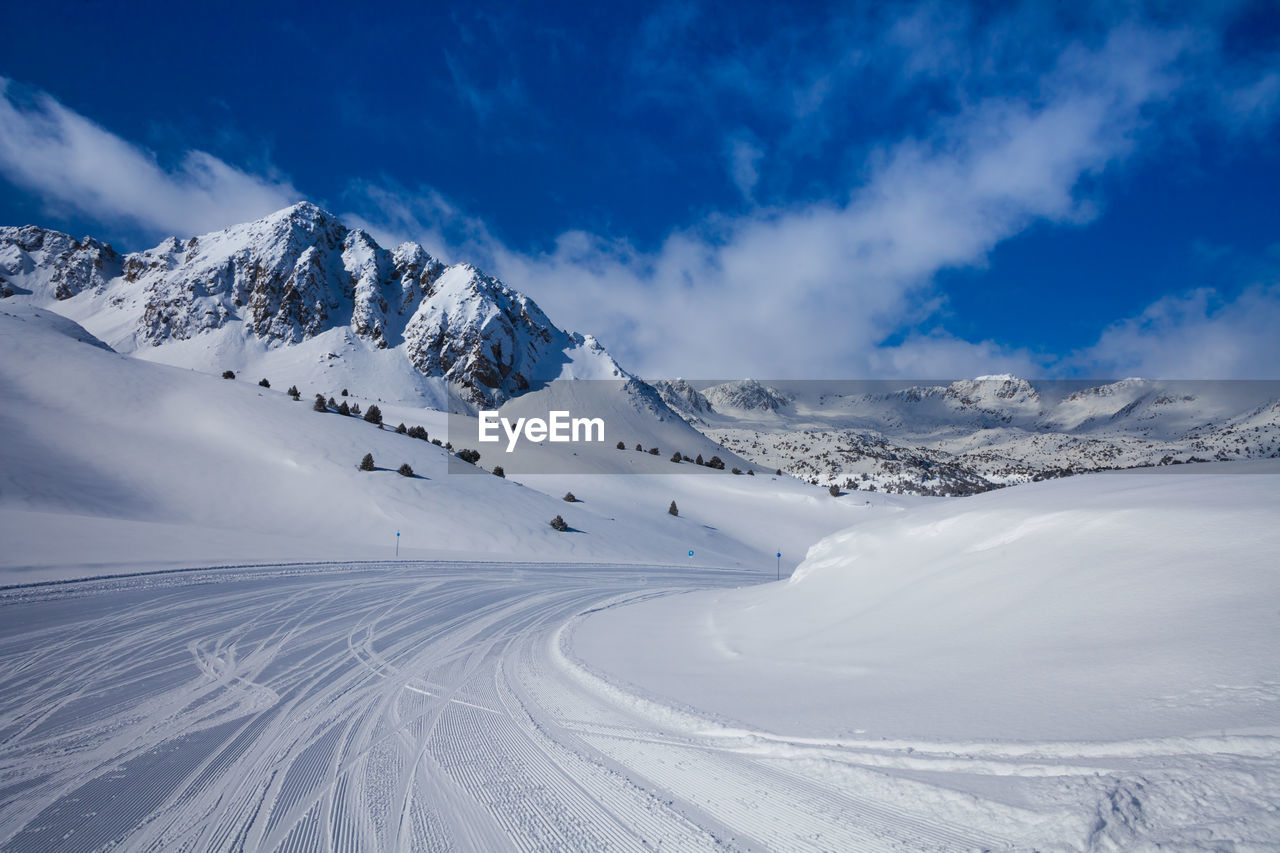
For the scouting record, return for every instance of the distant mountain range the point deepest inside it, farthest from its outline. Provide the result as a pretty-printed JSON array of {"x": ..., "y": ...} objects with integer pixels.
[
  {"x": 978, "y": 434},
  {"x": 300, "y": 297}
]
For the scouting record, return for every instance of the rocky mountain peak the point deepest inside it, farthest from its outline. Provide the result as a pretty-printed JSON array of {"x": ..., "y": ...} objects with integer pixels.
[{"x": 294, "y": 275}]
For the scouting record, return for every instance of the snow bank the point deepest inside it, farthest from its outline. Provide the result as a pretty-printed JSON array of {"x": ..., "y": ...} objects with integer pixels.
[{"x": 1100, "y": 607}]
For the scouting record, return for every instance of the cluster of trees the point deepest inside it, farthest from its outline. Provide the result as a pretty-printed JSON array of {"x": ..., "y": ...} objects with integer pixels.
[
  {"x": 366, "y": 464},
  {"x": 678, "y": 457}
]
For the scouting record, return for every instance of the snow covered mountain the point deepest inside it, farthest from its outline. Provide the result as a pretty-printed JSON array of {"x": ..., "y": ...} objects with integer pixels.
[
  {"x": 239, "y": 298},
  {"x": 973, "y": 435}
]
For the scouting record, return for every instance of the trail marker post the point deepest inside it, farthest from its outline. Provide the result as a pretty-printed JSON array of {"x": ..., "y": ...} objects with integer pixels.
[
  {"x": 779, "y": 565},
  {"x": 397, "y": 543}
]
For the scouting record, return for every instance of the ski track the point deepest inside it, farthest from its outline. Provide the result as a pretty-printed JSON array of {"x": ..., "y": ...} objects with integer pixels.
[{"x": 439, "y": 706}]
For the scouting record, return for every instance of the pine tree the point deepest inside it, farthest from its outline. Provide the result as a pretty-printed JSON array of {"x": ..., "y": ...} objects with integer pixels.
[
  {"x": 228, "y": 374},
  {"x": 468, "y": 455},
  {"x": 498, "y": 472},
  {"x": 320, "y": 404},
  {"x": 675, "y": 457},
  {"x": 834, "y": 491},
  {"x": 344, "y": 409},
  {"x": 294, "y": 392},
  {"x": 401, "y": 430},
  {"x": 264, "y": 383},
  {"x": 366, "y": 464},
  {"x": 671, "y": 510},
  {"x": 569, "y": 498},
  {"x": 653, "y": 451},
  {"x": 344, "y": 392},
  {"x": 559, "y": 523},
  {"x": 638, "y": 447},
  {"x": 716, "y": 462},
  {"x": 698, "y": 461},
  {"x": 374, "y": 415},
  {"x": 332, "y": 404},
  {"x": 355, "y": 409},
  {"x": 621, "y": 446}
]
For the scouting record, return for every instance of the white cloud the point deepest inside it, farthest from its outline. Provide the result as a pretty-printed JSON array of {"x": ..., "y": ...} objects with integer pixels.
[
  {"x": 814, "y": 290},
  {"x": 73, "y": 164},
  {"x": 1194, "y": 335}
]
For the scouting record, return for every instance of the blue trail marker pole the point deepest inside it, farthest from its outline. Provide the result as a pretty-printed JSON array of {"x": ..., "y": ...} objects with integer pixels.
[
  {"x": 779, "y": 565},
  {"x": 397, "y": 543}
]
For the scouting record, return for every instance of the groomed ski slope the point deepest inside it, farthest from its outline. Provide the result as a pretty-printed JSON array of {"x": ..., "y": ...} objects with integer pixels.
[{"x": 425, "y": 706}]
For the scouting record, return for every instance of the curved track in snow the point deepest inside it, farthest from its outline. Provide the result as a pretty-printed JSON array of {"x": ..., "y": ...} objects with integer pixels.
[{"x": 405, "y": 706}]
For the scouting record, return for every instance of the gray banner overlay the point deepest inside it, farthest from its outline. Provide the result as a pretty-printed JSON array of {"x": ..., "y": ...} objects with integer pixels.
[{"x": 922, "y": 436}]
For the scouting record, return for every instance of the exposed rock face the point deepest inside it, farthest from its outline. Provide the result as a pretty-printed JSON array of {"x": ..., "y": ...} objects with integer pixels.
[
  {"x": 52, "y": 265},
  {"x": 746, "y": 395}
]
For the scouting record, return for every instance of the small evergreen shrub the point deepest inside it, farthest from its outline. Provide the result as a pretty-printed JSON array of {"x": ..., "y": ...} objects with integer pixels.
[
  {"x": 294, "y": 392},
  {"x": 319, "y": 404},
  {"x": 228, "y": 374},
  {"x": 374, "y": 415},
  {"x": 716, "y": 462},
  {"x": 672, "y": 510},
  {"x": 675, "y": 457},
  {"x": 559, "y": 523},
  {"x": 366, "y": 464},
  {"x": 498, "y": 472},
  {"x": 404, "y": 470},
  {"x": 401, "y": 430},
  {"x": 264, "y": 383},
  {"x": 469, "y": 455},
  {"x": 569, "y": 498},
  {"x": 621, "y": 446},
  {"x": 834, "y": 491}
]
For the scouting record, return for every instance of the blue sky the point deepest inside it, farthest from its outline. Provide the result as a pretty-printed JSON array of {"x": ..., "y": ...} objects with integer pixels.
[{"x": 713, "y": 189}]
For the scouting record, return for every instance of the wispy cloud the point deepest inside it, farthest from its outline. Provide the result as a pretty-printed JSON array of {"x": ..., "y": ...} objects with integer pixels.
[
  {"x": 744, "y": 154},
  {"x": 816, "y": 289},
  {"x": 73, "y": 164},
  {"x": 1200, "y": 334}
]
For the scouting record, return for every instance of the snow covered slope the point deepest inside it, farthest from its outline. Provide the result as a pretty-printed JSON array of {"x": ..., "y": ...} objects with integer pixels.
[
  {"x": 299, "y": 290},
  {"x": 1099, "y": 652},
  {"x": 112, "y": 464}
]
